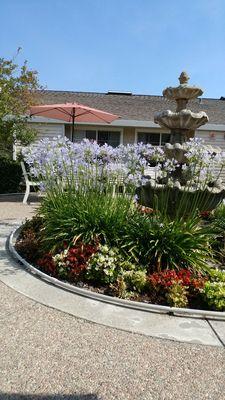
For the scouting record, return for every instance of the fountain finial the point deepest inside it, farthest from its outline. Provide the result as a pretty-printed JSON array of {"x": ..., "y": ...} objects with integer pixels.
[{"x": 183, "y": 78}]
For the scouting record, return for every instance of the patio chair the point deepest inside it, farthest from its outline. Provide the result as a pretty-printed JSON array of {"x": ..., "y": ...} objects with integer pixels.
[
  {"x": 150, "y": 172},
  {"x": 28, "y": 183}
]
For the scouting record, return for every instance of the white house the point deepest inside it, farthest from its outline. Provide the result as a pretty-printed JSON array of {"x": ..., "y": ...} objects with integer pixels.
[{"x": 136, "y": 122}]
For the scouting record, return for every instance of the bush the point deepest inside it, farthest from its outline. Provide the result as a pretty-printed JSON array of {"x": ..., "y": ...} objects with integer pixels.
[
  {"x": 103, "y": 266},
  {"x": 159, "y": 243},
  {"x": 10, "y": 177},
  {"x": 218, "y": 221},
  {"x": 72, "y": 262},
  {"x": 176, "y": 288},
  {"x": 28, "y": 244},
  {"x": 135, "y": 280},
  {"x": 152, "y": 240},
  {"x": 177, "y": 295},
  {"x": 47, "y": 264},
  {"x": 108, "y": 264},
  {"x": 216, "y": 275},
  {"x": 86, "y": 216},
  {"x": 214, "y": 295}
]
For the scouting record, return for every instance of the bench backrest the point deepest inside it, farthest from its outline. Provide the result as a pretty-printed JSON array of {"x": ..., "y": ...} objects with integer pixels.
[{"x": 25, "y": 174}]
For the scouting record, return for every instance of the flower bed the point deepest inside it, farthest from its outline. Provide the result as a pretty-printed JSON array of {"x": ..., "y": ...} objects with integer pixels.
[
  {"x": 113, "y": 271},
  {"x": 92, "y": 232}
]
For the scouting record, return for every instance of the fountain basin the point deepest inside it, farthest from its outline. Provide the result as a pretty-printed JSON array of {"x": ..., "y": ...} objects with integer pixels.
[
  {"x": 180, "y": 198},
  {"x": 184, "y": 119},
  {"x": 182, "y": 92}
]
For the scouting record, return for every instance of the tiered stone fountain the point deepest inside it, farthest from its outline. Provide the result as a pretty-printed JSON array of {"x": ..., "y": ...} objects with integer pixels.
[{"x": 182, "y": 124}]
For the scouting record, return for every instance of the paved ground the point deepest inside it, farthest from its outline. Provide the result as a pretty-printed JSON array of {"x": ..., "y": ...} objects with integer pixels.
[
  {"x": 47, "y": 354},
  {"x": 11, "y": 207}
]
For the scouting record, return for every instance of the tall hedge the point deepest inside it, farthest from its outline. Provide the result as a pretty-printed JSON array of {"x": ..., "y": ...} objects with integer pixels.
[{"x": 10, "y": 176}]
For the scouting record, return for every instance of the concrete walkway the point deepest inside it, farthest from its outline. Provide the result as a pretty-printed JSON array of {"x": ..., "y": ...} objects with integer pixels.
[{"x": 48, "y": 354}]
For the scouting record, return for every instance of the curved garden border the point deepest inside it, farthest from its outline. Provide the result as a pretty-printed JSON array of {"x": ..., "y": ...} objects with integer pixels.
[{"x": 107, "y": 299}]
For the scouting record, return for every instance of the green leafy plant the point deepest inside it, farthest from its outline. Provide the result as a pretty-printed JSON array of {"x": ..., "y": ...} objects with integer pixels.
[
  {"x": 103, "y": 267},
  {"x": 90, "y": 215},
  {"x": 216, "y": 275},
  {"x": 214, "y": 295},
  {"x": 177, "y": 295},
  {"x": 218, "y": 221},
  {"x": 159, "y": 242},
  {"x": 135, "y": 280},
  {"x": 11, "y": 178},
  {"x": 19, "y": 89}
]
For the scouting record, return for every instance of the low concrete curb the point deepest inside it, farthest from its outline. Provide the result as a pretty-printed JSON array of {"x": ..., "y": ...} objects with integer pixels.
[{"x": 143, "y": 321}]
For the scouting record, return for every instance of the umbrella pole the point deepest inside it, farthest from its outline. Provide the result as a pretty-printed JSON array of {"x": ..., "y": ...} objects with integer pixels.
[
  {"x": 73, "y": 123},
  {"x": 72, "y": 131}
]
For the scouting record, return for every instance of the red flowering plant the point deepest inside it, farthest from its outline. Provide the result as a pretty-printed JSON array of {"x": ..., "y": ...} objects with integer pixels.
[
  {"x": 47, "y": 265},
  {"x": 161, "y": 282},
  {"x": 145, "y": 210},
  {"x": 69, "y": 263},
  {"x": 73, "y": 261},
  {"x": 206, "y": 215}
]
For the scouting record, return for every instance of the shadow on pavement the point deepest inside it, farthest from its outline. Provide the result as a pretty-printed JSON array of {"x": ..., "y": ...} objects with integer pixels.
[
  {"x": 18, "y": 198},
  {"x": 20, "y": 396}
]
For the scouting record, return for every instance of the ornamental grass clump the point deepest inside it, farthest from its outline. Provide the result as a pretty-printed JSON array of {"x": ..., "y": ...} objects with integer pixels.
[
  {"x": 160, "y": 242},
  {"x": 84, "y": 215}
]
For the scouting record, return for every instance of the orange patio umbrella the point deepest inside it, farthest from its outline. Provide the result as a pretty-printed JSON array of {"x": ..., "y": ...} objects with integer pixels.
[{"x": 73, "y": 112}]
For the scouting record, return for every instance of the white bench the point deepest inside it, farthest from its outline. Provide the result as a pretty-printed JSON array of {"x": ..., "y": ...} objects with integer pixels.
[
  {"x": 28, "y": 182},
  {"x": 150, "y": 171}
]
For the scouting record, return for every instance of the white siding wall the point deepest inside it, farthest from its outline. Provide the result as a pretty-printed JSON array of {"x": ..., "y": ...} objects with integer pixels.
[
  {"x": 213, "y": 138},
  {"x": 44, "y": 131},
  {"x": 49, "y": 130}
]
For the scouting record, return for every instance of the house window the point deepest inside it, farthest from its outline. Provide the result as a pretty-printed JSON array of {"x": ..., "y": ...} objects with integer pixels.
[
  {"x": 110, "y": 137},
  {"x": 165, "y": 138},
  {"x": 91, "y": 135},
  {"x": 78, "y": 136},
  {"x": 156, "y": 139}
]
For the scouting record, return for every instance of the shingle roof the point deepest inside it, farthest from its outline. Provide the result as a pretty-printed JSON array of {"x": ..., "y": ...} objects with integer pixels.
[{"x": 134, "y": 107}]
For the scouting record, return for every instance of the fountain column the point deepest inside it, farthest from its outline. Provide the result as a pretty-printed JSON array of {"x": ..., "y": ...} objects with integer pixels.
[{"x": 183, "y": 122}]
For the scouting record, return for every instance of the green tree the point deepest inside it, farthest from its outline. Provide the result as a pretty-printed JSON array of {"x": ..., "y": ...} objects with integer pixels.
[{"x": 18, "y": 90}]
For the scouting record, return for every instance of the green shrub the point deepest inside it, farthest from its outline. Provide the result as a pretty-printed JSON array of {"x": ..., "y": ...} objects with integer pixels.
[
  {"x": 214, "y": 295},
  {"x": 177, "y": 295},
  {"x": 129, "y": 283},
  {"x": 87, "y": 215},
  {"x": 135, "y": 280},
  {"x": 153, "y": 240},
  {"x": 103, "y": 266},
  {"x": 11, "y": 175},
  {"x": 159, "y": 242},
  {"x": 218, "y": 221},
  {"x": 219, "y": 215},
  {"x": 108, "y": 264},
  {"x": 216, "y": 275}
]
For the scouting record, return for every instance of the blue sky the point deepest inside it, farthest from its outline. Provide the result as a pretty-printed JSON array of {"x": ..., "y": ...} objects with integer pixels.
[{"x": 139, "y": 46}]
